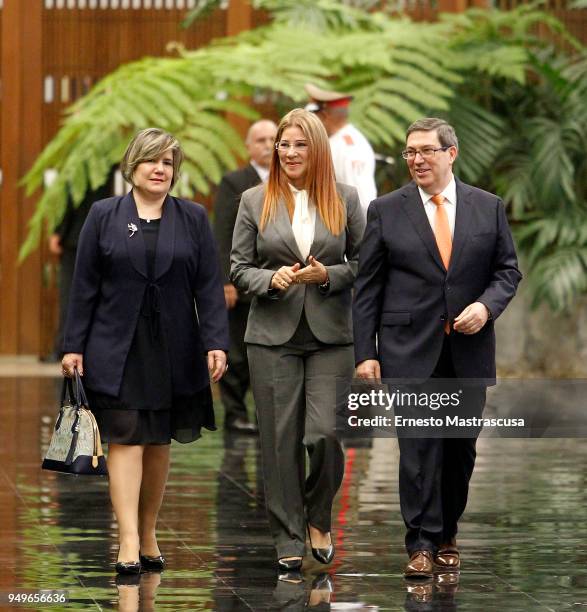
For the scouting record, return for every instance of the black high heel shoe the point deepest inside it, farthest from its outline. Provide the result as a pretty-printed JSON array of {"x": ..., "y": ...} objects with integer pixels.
[
  {"x": 289, "y": 565},
  {"x": 323, "y": 555},
  {"x": 128, "y": 567},
  {"x": 323, "y": 582},
  {"x": 293, "y": 577},
  {"x": 153, "y": 564},
  {"x": 127, "y": 580}
]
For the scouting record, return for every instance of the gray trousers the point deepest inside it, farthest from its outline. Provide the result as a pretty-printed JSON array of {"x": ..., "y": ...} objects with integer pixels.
[{"x": 296, "y": 394}]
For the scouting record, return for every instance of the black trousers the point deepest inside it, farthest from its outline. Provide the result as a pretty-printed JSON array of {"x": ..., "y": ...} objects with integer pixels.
[
  {"x": 434, "y": 475},
  {"x": 235, "y": 383}
]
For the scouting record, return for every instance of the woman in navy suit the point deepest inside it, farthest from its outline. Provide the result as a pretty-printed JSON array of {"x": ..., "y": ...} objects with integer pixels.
[{"x": 147, "y": 327}]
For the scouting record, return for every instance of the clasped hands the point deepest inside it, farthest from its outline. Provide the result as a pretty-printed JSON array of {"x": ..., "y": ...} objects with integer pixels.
[{"x": 314, "y": 273}]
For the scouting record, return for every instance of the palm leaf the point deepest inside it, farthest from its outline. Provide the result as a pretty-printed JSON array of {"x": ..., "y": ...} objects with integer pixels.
[{"x": 390, "y": 64}]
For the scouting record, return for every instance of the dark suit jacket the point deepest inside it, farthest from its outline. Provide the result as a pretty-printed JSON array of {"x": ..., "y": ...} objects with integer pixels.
[
  {"x": 71, "y": 225},
  {"x": 110, "y": 280},
  {"x": 404, "y": 295},
  {"x": 230, "y": 190}
]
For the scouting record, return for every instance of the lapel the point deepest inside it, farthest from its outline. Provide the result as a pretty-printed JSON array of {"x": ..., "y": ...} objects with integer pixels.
[
  {"x": 135, "y": 244},
  {"x": 283, "y": 227},
  {"x": 321, "y": 234},
  {"x": 251, "y": 177},
  {"x": 462, "y": 222},
  {"x": 414, "y": 209},
  {"x": 165, "y": 240}
]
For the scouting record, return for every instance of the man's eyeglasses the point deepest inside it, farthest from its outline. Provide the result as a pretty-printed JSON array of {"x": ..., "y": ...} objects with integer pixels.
[
  {"x": 299, "y": 146},
  {"x": 426, "y": 152}
]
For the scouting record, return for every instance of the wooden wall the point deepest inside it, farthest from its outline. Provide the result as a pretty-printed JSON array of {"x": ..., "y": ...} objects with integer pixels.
[{"x": 53, "y": 51}]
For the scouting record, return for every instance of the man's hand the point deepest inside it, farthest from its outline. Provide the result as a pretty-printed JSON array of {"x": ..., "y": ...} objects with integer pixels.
[
  {"x": 368, "y": 369},
  {"x": 472, "y": 319},
  {"x": 315, "y": 273},
  {"x": 217, "y": 364},
  {"x": 55, "y": 247},
  {"x": 230, "y": 296},
  {"x": 284, "y": 277}
]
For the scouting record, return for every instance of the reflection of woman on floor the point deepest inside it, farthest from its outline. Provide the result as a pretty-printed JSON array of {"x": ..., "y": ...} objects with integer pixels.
[
  {"x": 295, "y": 249},
  {"x": 290, "y": 593},
  {"x": 145, "y": 262},
  {"x": 137, "y": 592}
]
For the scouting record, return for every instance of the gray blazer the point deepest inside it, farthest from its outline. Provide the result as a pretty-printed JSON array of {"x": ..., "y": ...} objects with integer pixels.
[{"x": 256, "y": 256}]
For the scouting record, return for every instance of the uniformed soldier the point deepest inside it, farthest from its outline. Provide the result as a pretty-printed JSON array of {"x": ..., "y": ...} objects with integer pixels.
[{"x": 352, "y": 155}]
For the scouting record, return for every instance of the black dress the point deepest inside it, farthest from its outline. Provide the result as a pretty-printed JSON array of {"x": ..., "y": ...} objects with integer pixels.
[{"x": 146, "y": 410}]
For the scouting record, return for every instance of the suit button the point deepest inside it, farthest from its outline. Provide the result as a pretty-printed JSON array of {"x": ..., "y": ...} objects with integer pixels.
[
  {"x": 443, "y": 317},
  {"x": 447, "y": 288}
]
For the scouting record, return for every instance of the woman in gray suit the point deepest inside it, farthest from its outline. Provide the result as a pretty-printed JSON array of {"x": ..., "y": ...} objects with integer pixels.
[{"x": 295, "y": 248}]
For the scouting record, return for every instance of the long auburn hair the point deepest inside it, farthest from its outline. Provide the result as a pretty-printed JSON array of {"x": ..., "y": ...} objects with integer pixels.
[{"x": 320, "y": 181}]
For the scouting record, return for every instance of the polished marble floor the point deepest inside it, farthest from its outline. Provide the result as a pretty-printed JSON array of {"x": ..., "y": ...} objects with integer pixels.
[{"x": 523, "y": 538}]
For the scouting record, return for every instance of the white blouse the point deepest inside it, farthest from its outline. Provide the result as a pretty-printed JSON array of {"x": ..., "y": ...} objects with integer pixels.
[{"x": 304, "y": 221}]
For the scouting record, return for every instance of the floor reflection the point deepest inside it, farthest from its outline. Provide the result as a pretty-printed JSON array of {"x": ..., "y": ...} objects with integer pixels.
[
  {"x": 522, "y": 538},
  {"x": 137, "y": 592},
  {"x": 435, "y": 595}
]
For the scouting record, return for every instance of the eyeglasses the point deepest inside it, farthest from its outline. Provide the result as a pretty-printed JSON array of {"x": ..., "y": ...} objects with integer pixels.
[
  {"x": 426, "y": 152},
  {"x": 299, "y": 146}
]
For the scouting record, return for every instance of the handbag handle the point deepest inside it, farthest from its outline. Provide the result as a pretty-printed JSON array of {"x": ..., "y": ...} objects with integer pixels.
[
  {"x": 67, "y": 389},
  {"x": 76, "y": 393},
  {"x": 81, "y": 398}
]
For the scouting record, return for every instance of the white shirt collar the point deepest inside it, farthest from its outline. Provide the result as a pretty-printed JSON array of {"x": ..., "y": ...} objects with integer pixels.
[
  {"x": 449, "y": 193},
  {"x": 303, "y": 222},
  {"x": 261, "y": 171}
]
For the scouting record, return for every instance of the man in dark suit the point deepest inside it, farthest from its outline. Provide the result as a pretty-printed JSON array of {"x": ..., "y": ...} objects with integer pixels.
[
  {"x": 234, "y": 385},
  {"x": 63, "y": 243},
  {"x": 436, "y": 268}
]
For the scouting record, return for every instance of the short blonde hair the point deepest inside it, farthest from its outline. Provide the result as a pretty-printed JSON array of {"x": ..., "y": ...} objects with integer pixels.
[{"x": 147, "y": 145}]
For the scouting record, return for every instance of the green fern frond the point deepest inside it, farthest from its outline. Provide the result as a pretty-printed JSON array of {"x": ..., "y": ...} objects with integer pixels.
[
  {"x": 396, "y": 69},
  {"x": 481, "y": 137},
  {"x": 560, "y": 278}
]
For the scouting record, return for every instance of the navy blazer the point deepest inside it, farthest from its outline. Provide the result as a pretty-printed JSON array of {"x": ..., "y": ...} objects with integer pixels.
[
  {"x": 110, "y": 281},
  {"x": 404, "y": 295}
]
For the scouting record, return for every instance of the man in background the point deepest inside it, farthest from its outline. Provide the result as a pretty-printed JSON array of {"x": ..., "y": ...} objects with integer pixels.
[
  {"x": 63, "y": 243},
  {"x": 235, "y": 383},
  {"x": 352, "y": 155}
]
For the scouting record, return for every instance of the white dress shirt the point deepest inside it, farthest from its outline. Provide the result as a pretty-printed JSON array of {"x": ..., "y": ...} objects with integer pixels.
[
  {"x": 450, "y": 204},
  {"x": 354, "y": 162},
  {"x": 261, "y": 171},
  {"x": 304, "y": 221}
]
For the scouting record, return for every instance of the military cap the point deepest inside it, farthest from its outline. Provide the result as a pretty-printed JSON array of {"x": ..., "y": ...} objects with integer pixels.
[{"x": 321, "y": 98}]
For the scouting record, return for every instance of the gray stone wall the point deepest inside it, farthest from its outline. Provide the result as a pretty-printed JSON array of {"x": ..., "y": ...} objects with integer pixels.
[{"x": 541, "y": 343}]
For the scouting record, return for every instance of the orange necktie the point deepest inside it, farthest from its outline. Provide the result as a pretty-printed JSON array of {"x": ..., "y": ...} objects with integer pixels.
[{"x": 442, "y": 235}]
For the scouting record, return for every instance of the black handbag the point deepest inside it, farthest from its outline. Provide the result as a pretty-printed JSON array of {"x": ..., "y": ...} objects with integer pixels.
[{"x": 76, "y": 447}]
